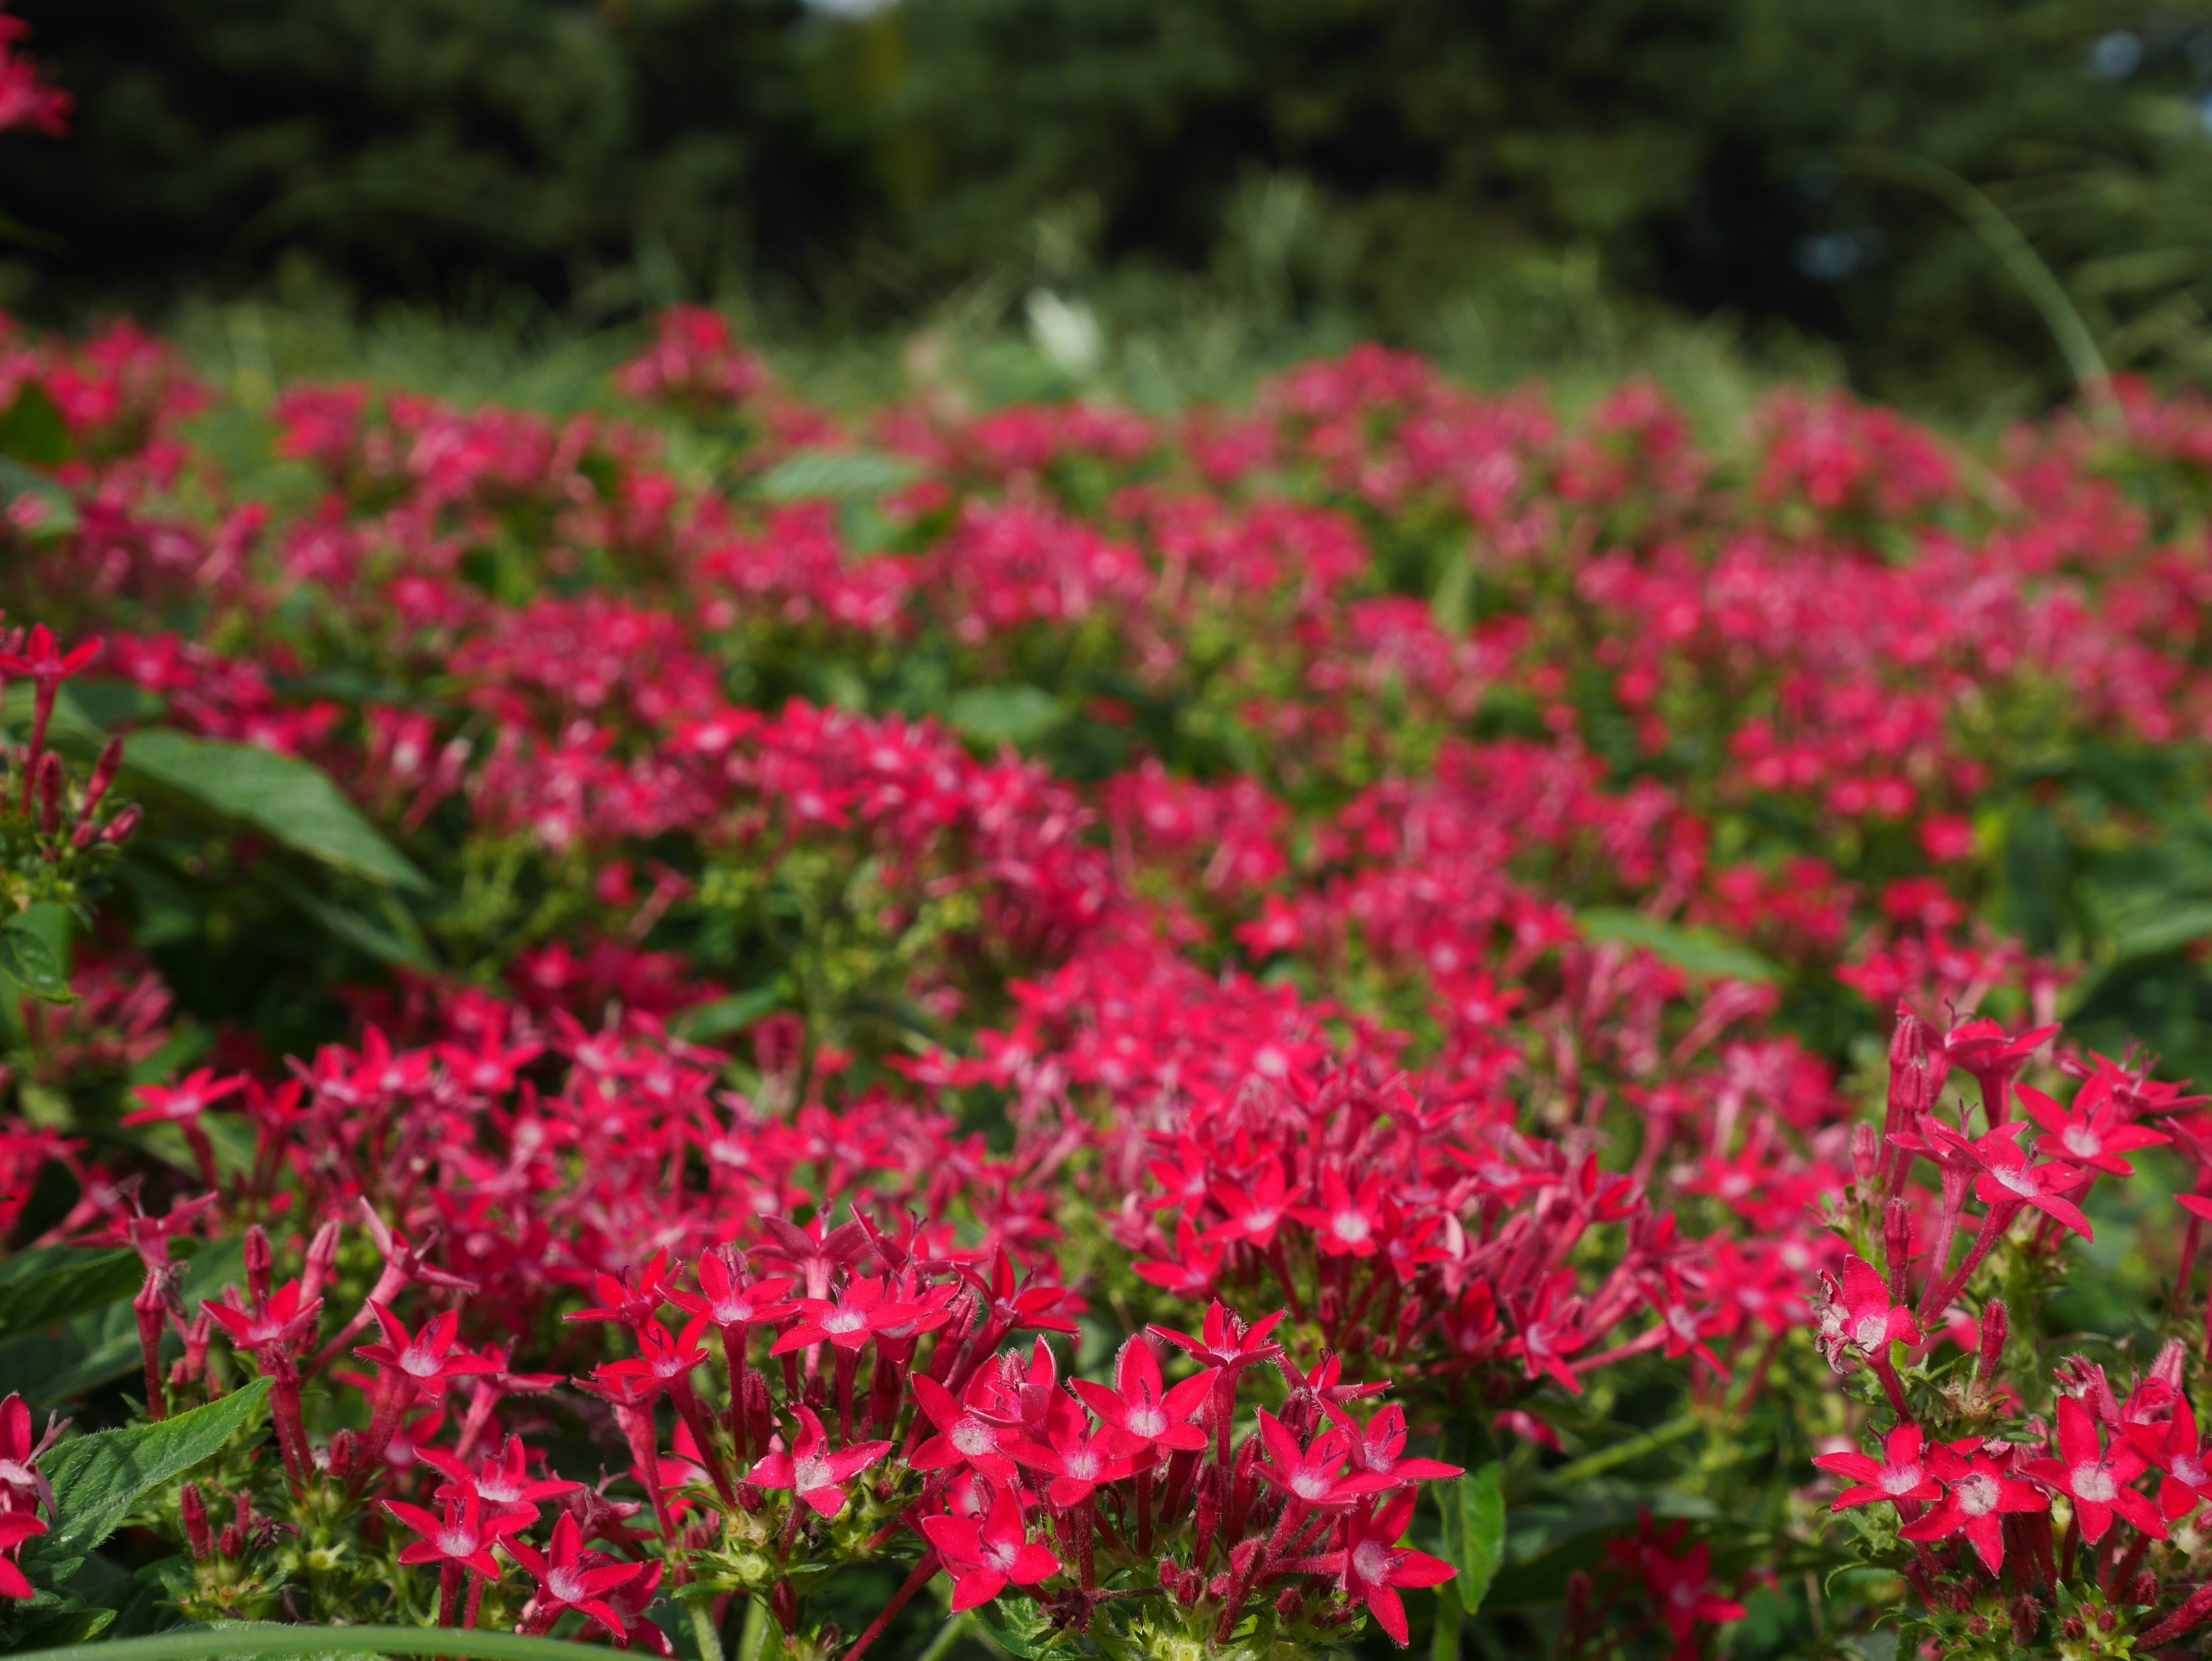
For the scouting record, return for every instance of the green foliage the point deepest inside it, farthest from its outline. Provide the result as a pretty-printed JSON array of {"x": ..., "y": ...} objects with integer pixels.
[
  {"x": 98, "y": 1480},
  {"x": 1415, "y": 171}
]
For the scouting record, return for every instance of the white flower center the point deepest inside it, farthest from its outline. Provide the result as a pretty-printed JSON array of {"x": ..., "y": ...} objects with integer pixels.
[
  {"x": 2094, "y": 1484},
  {"x": 1977, "y": 1494}
]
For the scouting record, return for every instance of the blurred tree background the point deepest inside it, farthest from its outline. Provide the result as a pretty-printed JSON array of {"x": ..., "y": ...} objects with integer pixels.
[{"x": 1404, "y": 168}]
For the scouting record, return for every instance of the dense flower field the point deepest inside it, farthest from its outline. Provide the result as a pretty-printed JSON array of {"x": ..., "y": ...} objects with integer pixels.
[{"x": 1378, "y": 1017}]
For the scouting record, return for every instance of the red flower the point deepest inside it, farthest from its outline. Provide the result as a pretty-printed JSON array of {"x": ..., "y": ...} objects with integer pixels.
[
  {"x": 428, "y": 1359},
  {"x": 811, "y": 1471},
  {"x": 2095, "y": 1477},
  {"x": 503, "y": 1480},
  {"x": 1313, "y": 1477},
  {"x": 464, "y": 1535},
  {"x": 1977, "y": 1491},
  {"x": 1379, "y": 1446},
  {"x": 848, "y": 1321},
  {"x": 965, "y": 1436},
  {"x": 1898, "y": 1475},
  {"x": 187, "y": 1099},
  {"x": 664, "y": 1358},
  {"x": 985, "y": 1557},
  {"x": 2175, "y": 1450},
  {"x": 1255, "y": 1213},
  {"x": 1226, "y": 1342},
  {"x": 1196, "y": 1269},
  {"x": 280, "y": 1320},
  {"x": 45, "y": 662},
  {"x": 1076, "y": 1462},
  {"x": 1139, "y": 1409},
  {"x": 2008, "y": 1178},
  {"x": 1346, "y": 1224},
  {"x": 2092, "y": 1133},
  {"x": 1860, "y": 1316},
  {"x": 1374, "y": 1565},
  {"x": 570, "y": 1577},
  {"x": 1677, "y": 1579}
]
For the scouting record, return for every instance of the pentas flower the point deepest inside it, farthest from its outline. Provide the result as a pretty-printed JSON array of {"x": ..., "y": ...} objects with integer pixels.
[
  {"x": 186, "y": 1099},
  {"x": 729, "y": 1300},
  {"x": 986, "y": 1556},
  {"x": 1141, "y": 1408},
  {"x": 283, "y": 1321},
  {"x": 1313, "y": 1477},
  {"x": 665, "y": 1357},
  {"x": 24, "y": 1485},
  {"x": 1378, "y": 1447},
  {"x": 2095, "y": 1477},
  {"x": 632, "y": 1299},
  {"x": 504, "y": 1480},
  {"x": 1348, "y": 1223},
  {"x": 811, "y": 1471},
  {"x": 860, "y": 1311},
  {"x": 1898, "y": 1476},
  {"x": 2008, "y": 1178},
  {"x": 1548, "y": 1332},
  {"x": 1680, "y": 1581},
  {"x": 429, "y": 1358},
  {"x": 1196, "y": 1269},
  {"x": 2185, "y": 1476},
  {"x": 1978, "y": 1493},
  {"x": 1255, "y": 1209},
  {"x": 1374, "y": 1567},
  {"x": 1076, "y": 1459},
  {"x": 1227, "y": 1342},
  {"x": 2090, "y": 1133},
  {"x": 1859, "y": 1315},
  {"x": 570, "y": 1577},
  {"x": 966, "y": 1435},
  {"x": 460, "y": 1535}
]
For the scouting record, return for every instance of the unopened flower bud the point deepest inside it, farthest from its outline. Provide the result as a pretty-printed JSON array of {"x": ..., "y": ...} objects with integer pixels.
[
  {"x": 1897, "y": 1246},
  {"x": 49, "y": 793},
  {"x": 103, "y": 774},
  {"x": 322, "y": 1260},
  {"x": 120, "y": 827},
  {"x": 1866, "y": 1153},
  {"x": 257, "y": 1260},
  {"x": 1991, "y": 1355},
  {"x": 191, "y": 1507}
]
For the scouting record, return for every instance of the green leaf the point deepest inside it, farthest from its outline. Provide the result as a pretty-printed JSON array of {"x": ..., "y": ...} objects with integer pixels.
[
  {"x": 60, "y": 1283},
  {"x": 1701, "y": 951},
  {"x": 841, "y": 475},
  {"x": 1481, "y": 1533},
  {"x": 56, "y": 516},
  {"x": 49, "y": 1369},
  {"x": 34, "y": 952},
  {"x": 34, "y": 428},
  {"x": 1004, "y": 714},
  {"x": 268, "y": 1641},
  {"x": 98, "y": 1479},
  {"x": 1016, "y": 1625},
  {"x": 724, "y": 1016},
  {"x": 289, "y": 798}
]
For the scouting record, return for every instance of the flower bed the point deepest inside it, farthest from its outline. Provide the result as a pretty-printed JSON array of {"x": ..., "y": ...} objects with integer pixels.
[{"x": 1380, "y": 1016}]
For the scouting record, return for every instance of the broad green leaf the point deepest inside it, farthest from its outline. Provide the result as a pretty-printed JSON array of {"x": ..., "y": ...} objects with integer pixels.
[
  {"x": 842, "y": 475},
  {"x": 289, "y": 799},
  {"x": 1481, "y": 1533},
  {"x": 34, "y": 951},
  {"x": 62, "y": 1283},
  {"x": 1702, "y": 951},
  {"x": 50, "y": 1369},
  {"x": 1004, "y": 714},
  {"x": 98, "y": 1480},
  {"x": 32, "y": 428}
]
